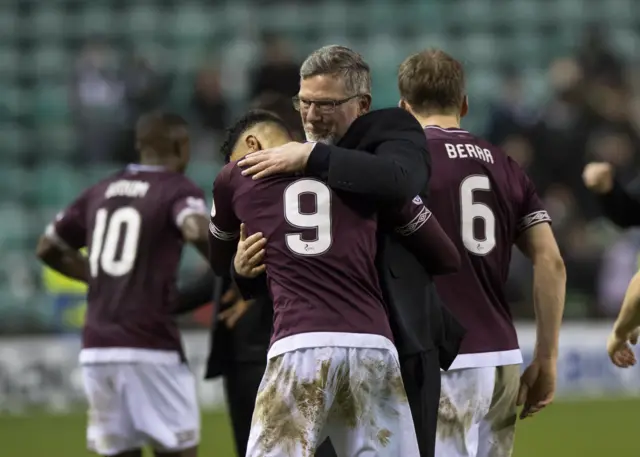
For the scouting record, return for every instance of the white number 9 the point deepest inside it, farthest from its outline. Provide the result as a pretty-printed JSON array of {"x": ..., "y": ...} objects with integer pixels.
[{"x": 320, "y": 220}]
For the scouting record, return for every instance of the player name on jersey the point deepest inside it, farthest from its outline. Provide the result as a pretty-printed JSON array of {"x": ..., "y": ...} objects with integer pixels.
[
  {"x": 130, "y": 222},
  {"x": 126, "y": 188},
  {"x": 484, "y": 201},
  {"x": 464, "y": 151}
]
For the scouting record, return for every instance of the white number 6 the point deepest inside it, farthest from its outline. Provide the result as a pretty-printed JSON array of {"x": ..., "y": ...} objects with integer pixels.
[{"x": 471, "y": 210}]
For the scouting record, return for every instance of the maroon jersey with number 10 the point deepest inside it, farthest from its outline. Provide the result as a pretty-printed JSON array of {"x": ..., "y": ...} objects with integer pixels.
[
  {"x": 130, "y": 224},
  {"x": 483, "y": 201}
]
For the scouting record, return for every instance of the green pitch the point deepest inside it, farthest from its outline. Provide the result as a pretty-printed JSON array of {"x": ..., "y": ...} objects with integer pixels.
[{"x": 580, "y": 429}]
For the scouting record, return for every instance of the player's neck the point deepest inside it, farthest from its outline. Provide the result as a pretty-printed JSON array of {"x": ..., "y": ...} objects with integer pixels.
[
  {"x": 443, "y": 121},
  {"x": 153, "y": 161}
]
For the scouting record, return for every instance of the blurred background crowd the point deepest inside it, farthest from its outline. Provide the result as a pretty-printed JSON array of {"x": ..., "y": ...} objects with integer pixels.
[{"x": 553, "y": 82}]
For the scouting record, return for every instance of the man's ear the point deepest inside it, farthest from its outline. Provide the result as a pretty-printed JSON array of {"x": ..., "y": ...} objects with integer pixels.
[
  {"x": 253, "y": 144},
  {"x": 365, "y": 103},
  {"x": 404, "y": 105}
]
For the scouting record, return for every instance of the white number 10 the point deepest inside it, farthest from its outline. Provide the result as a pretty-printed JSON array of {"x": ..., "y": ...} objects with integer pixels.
[
  {"x": 106, "y": 238},
  {"x": 320, "y": 220},
  {"x": 471, "y": 210}
]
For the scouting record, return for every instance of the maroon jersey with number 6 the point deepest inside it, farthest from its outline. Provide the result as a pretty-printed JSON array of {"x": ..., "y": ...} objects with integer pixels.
[
  {"x": 483, "y": 201},
  {"x": 321, "y": 248},
  {"x": 130, "y": 224}
]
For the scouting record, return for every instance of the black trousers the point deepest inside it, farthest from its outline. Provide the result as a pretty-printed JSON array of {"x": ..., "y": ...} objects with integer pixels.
[
  {"x": 421, "y": 378},
  {"x": 241, "y": 384}
]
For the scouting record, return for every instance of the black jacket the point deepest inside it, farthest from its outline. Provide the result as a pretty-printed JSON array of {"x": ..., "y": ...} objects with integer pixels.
[
  {"x": 247, "y": 342},
  {"x": 621, "y": 207},
  {"x": 384, "y": 155}
]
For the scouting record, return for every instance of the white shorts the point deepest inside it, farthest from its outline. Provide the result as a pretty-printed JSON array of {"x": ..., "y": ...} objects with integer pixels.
[
  {"x": 477, "y": 413},
  {"x": 354, "y": 396},
  {"x": 136, "y": 404}
]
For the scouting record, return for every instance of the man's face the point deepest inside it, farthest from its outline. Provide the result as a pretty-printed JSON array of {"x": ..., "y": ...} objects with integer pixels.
[{"x": 326, "y": 109}]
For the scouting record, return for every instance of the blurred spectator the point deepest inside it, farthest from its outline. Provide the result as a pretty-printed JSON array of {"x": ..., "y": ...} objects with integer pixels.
[
  {"x": 619, "y": 264},
  {"x": 510, "y": 115},
  {"x": 598, "y": 60},
  {"x": 97, "y": 99},
  {"x": 146, "y": 89},
  {"x": 278, "y": 72},
  {"x": 617, "y": 147},
  {"x": 207, "y": 101},
  {"x": 283, "y": 107}
]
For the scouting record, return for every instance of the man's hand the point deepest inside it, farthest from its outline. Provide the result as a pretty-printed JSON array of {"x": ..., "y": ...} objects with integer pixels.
[
  {"x": 537, "y": 387},
  {"x": 248, "y": 260},
  {"x": 232, "y": 315},
  {"x": 619, "y": 350},
  {"x": 598, "y": 177},
  {"x": 288, "y": 159}
]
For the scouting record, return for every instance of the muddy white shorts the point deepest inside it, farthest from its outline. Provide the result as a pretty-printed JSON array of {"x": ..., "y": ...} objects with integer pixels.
[
  {"x": 354, "y": 396},
  {"x": 477, "y": 413}
]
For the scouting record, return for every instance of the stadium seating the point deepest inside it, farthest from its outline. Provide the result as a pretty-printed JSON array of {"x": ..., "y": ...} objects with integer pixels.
[{"x": 39, "y": 42}]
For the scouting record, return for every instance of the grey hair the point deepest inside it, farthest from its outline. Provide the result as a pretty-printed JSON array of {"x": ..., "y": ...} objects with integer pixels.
[{"x": 339, "y": 61}]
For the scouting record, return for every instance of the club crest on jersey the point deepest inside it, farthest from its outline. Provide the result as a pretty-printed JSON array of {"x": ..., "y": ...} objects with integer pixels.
[{"x": 417, "y": 200}]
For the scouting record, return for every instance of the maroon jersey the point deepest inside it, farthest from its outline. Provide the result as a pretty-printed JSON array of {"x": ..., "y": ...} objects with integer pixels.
[
  {"x": 130, "y": 224},
  {"x": 484, "y": 201},
  {"x": 321, "y": 247}
]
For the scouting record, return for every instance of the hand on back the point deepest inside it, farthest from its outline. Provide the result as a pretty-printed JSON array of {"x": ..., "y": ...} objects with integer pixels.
[{"x": 248, "y": 261}]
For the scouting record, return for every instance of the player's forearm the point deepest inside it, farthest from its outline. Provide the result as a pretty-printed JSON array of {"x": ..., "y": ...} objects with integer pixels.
[
  {"x": 434, "y": 249},
  {"x": 549, "y": 287},
  {"x": 629, "y": 317},
  {"x": 221, "y": 254},
  {"x": 195, "y": 230},
  {"x": 71, "y": 265},
  {"x": 250, "y": 288}
]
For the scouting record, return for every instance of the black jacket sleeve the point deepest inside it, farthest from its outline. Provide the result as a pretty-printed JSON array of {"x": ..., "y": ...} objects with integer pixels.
[
  {"x": 195, "y": 294},
  {"x": 250, "y": 288},
  {"x": 392, "y": 161},
  {"x": 622, "y": 208}
]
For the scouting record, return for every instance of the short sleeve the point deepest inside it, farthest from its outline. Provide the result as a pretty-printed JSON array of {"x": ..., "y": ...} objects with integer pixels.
[
  {"x": 69, "y": 229},
  {"x": 189, "y": 201},
  {"x": 223, "y": 225},
  {"x": 530, "y": 210}
]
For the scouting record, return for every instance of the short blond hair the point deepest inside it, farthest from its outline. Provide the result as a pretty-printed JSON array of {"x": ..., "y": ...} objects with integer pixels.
[{"x": 432, "y": 82}]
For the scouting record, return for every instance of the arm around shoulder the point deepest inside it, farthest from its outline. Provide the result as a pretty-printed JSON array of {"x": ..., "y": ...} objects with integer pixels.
[{"x": 391, "y": 161}]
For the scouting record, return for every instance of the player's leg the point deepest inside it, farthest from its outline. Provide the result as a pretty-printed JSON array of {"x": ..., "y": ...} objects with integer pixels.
[
  {"x": 465, "y": 398},
  {"x": 163, "y": 405},
  {"x": 421, "y": 378},
  {"x": 110, "y": 431},
  {"x": 498, "y": 429},
  {"x": 291, "y": 406},
  {"x": 369, "y": 411},
  {"x": 241, "y": 383}
]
